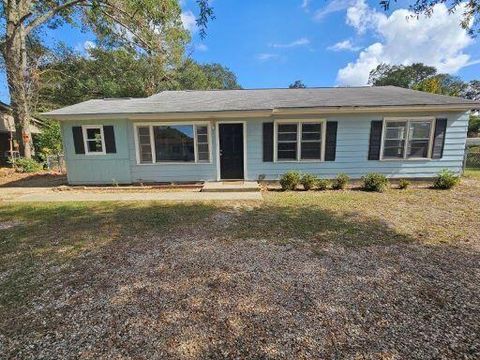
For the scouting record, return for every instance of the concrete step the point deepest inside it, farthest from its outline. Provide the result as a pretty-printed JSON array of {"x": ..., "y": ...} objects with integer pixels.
[{"x": 231, "y": 186}]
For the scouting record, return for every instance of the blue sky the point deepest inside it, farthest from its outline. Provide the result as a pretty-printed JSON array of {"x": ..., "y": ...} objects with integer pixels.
[{"x": 272, "y": 43}]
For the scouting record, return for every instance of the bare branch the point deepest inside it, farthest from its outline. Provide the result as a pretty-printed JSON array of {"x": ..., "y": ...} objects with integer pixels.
[{"x": 49, "y": 14}]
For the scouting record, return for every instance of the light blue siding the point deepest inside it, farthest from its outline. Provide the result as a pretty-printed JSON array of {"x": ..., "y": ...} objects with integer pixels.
[
  {"x": 351, "y": 155},
  {"x": 353, "y": 136},
  {"x": 97, "y": 169}
]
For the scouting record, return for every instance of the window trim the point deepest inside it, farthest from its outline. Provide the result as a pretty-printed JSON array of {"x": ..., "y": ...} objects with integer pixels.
[
  {"x": 150, "y": 125},
  {"x": 322, "y": 122},
  {"x": 408, "y": 120},
  {"x": 85, "y": 140}
]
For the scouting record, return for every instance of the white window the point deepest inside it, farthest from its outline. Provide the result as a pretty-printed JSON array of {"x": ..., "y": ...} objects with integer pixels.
[
  {"x": 407, "y": 138},
  {"x": 173, "y": 143},
  {"x": 299, "y": 140},
  {"x": 93, "y": 139}
]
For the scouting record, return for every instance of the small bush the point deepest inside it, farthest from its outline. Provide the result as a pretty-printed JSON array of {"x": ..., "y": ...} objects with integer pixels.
[
  {"x": 26, "y": 165},
  {"x": 446, "y": 179},
  {"x": 340, "y": 182},
  {"x": 374, "y": 182},
  {"x": 308, "y": 181},
  {"x": 290, "y": 180},
  {"x": 322, "y": 184},
  {"x": 403, "y": 184}
]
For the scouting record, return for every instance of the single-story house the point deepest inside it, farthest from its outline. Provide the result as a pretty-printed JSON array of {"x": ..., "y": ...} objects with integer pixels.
[
  {"x": 178, "y": 136},
  {"x": 8, "y": 142}
]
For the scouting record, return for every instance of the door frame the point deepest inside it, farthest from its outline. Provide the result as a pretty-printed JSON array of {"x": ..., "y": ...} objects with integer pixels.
[{"x": 217, "y": 145}]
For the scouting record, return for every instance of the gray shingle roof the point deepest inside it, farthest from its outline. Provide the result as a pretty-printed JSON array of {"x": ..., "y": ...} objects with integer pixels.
[{"x": 262, "y": 99}]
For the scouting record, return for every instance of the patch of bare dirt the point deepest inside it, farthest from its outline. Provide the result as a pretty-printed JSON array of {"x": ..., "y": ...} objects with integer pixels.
[{"x": 10, "y": 178}]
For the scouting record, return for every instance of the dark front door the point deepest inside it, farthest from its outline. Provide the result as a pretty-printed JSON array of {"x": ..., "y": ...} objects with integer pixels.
[{"x": 231, "y": 151}]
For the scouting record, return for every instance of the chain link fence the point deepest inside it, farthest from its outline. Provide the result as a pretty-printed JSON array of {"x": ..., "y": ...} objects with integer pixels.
[
  {"x": 56, "y": 163},
  {"x": 472, "y": 157}
]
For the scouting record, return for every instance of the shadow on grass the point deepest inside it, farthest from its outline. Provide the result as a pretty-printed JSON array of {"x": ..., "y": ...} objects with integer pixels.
[
  {"x": 314, "y": 225},
  {"x": 58, "y": 233}
]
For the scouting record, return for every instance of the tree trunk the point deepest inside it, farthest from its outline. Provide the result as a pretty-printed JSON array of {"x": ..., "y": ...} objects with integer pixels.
[{"x": 16, "y": 65}]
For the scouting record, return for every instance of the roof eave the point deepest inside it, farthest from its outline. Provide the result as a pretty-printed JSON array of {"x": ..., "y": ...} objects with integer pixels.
[{"x": 265, "y": 112}]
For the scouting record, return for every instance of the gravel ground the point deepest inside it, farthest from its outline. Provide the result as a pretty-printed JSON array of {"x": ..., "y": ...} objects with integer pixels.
[{"x": 192, "y": 295}]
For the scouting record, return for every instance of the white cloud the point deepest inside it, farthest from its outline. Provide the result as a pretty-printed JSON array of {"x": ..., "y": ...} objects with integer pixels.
[
  {"x": 346, "y": 45},
  {"x": 201, "y": 47},
  {"x": 189, "y": 21},
  {"x": 296, "y": 43},
  {"x": 267, "y": 56},
  {"x": 436, "y": 41},
  {"x": 332, "y": 7},
  {"x": 305, "y": 4},
  {"x": 84, "y": 47}
]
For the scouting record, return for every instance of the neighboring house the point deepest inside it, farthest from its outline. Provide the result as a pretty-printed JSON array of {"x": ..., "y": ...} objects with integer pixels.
[
  {"x": 261, "y": 134},
  {"x": 8, "y": 143}
]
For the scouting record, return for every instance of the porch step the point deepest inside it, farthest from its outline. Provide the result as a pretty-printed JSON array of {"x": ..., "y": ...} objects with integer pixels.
[{"x": 231, "y": 186}]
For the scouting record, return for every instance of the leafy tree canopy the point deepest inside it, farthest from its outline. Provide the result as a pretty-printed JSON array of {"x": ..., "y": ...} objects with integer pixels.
[
  {"x": 298, "y": 84},
  {"x": 424, "y": 78},
  {"x": 71, "y": 78}
]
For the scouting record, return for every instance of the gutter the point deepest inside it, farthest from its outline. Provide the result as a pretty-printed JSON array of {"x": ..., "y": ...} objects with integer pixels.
[{"x": 264, "y": 113}]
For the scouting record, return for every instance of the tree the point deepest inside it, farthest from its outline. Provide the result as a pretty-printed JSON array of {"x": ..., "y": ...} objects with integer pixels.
[
  {"x": 298, "y": 84},
  {"x": 418, "y": 77},
  {"x": 152, "y": 25},
  {"x": 104, "y": 73},
  {"x": 400, "y": 75},
  {"x": 470, "y": 10}
]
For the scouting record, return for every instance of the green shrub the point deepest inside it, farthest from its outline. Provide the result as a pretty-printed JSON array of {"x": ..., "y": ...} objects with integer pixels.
[
  {"x": 322, "y": 184},
  {"x": 308, "y": 181},
  {"x": 340, "y": 181},
  {"x": 26, "y": 165},
  {"x": 290, "y": 180},
  {"x": 446, "y": 179},
  {"x": 374, "y": 182},
  {"x": 403, "y": 184}
]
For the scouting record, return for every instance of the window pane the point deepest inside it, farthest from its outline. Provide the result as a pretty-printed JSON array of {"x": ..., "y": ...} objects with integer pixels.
[
  {"x": 287, "y": 142},
  {"x": 287, "y": 136},
  {"x": 311, "y": 150},
  {"x": 311, "y": 136},
  {"x": 144, "y": 144},
  {"x": 94, "y": 134},
  {"x": 203, "y": 156},
  {"x": 287, "y": 128},
  {"x": 420, "y": 130},
  {"x": 395, "y": 130},
  {"x": 287, "y": 151},
  {"x": 174, "y": 143},
  {"x": 315, "y": 127},
  {"x": 203, "y": 152},
  {"x": 94, "y": 145},
  {"x": 418, "y": 148},
  {"x": 94, "y": 140},
  {"x": 393, "y": 149}
]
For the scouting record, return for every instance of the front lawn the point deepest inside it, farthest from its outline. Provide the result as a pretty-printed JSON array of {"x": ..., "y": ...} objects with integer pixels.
[{"x": 336, "y": 274}]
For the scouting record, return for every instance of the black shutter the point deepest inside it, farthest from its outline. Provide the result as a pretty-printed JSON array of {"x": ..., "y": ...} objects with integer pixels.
[
  {"x": 78, "y": 140},
  {"x": 375, "y": 140},
  {"x": 268, "y": 142},
  {"x": 331, "y": 141},
  {"x": 439, "y": 138},
  {"x": 109, "y": 135}
]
